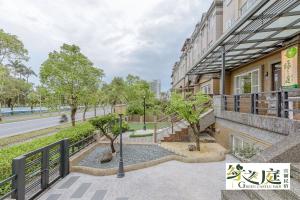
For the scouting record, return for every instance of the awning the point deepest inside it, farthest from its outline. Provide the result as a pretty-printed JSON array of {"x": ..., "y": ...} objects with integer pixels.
[{"x": 263, "y": 29}]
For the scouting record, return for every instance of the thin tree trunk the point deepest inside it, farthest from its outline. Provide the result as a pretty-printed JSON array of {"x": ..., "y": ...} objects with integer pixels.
[
  {"x": 197, "y": 143},
  {"x": 73, "y": 113},
  {"x": 196, "y": 134},
  {"x": 104, "y": 110},
  {"x": 112, "y": 146},
  {"x": 84, "y": 112}
]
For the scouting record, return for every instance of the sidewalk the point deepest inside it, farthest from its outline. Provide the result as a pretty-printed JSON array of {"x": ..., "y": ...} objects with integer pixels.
[{"x": 168, "y": 181}]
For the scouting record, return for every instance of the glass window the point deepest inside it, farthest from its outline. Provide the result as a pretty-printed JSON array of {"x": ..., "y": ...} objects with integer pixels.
[
  {"x": 227, "y": 2},
  {"x": 247, "y": 83},
  {"x": 206, "y": 89}
]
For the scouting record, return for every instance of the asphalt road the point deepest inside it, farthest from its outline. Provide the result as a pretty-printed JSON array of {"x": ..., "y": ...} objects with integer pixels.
[{"x": 15, "y": 128}]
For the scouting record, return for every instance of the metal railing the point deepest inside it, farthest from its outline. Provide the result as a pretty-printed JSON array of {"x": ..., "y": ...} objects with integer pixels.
[
  {"x": 36, "y": 171},
  {"x": 283, "y": 103},
  {"x": 76, "y": 147},
  {"x": 7, "y": 184},
  {"x": 166, "y": 123}
]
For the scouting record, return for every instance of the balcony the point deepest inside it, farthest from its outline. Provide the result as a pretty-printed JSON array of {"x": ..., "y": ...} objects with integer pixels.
[
  {"x": 285, "y": 104},
  {"x": 275, "y": 111}
]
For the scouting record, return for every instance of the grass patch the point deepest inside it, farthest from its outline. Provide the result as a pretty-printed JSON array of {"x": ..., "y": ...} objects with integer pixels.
[
  {"x": 10, "y": 140},
  {"x": 133, "y": 126},
  {"x": 140, "y": 135}
]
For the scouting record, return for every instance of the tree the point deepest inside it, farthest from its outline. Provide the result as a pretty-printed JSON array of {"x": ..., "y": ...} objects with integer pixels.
[
  {"x": 13, "y": 90},
  {"x": 190, "y": 110},
  {"x": 69, "y": 73},
  {"x": 109, "y": 127},
  {"x": 33, "y": 99},
  {"x": 115, "y": 91},
  {"x": 11, "y": 48},
  {"x": 90, "y": 93}
]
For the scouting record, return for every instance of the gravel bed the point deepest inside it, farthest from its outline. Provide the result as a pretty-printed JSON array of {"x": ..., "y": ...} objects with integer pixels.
[{"x": 132, "y": 154}]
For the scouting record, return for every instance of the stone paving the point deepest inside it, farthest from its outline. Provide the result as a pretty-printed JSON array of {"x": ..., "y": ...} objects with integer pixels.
[{"x": 168, "y": 181}]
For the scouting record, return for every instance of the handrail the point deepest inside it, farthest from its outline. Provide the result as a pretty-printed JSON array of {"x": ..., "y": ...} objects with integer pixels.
[{"x": 274, "y": 103}]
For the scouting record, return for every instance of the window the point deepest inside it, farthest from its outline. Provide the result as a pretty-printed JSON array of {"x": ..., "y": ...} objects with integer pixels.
[
  {"x": 247, "y": 82},
  {"x": 206, "y": 89},
  {"x": 227, "y": 2},
  {"x": 246, "y": 6},
  {"x": 229, "y": 23}
]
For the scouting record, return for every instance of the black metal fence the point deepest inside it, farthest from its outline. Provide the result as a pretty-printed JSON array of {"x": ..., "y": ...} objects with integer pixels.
[
  {"x": 37, "y": 170},
  {"x": 285, "y": 103},
  {"x": 76, "y": 147}
]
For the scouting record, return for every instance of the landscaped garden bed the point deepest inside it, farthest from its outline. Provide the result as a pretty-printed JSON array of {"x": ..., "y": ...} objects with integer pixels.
[{"x": 132, "y": 154}]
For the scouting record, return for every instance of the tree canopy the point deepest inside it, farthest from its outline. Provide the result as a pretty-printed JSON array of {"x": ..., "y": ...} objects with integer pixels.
[
  {"x": 190, "y": 109},
  {"x": 11, "y": 48},
  {"x": 71, "y": 74}
]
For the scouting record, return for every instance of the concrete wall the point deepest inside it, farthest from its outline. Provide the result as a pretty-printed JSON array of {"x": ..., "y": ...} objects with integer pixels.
[{"x": 261, "y": 130}]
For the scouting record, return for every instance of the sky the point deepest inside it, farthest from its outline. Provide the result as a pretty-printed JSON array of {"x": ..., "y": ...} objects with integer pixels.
[{"x": 139, "y": 37}]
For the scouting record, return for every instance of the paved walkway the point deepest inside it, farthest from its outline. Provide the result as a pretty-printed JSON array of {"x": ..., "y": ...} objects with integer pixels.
[{"x": 168, "y": 181}]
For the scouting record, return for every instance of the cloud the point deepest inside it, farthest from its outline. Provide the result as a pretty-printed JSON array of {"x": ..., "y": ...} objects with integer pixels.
[{"x": 121, "y": 36}]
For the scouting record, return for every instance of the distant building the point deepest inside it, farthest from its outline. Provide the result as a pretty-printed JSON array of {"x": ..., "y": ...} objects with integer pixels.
[{"x": 156, "y": 88}]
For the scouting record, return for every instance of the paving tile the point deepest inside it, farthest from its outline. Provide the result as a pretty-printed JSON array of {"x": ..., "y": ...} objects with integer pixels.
[
  {"x": 81, "y": 190},
  {"x": 122, "y": 198},
  {"x": 53, "y": 197},
  {"x": 99, "y": 195},
  {"x": 69, "y": 182}
]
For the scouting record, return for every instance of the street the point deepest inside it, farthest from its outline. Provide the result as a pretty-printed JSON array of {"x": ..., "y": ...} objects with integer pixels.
[{"x": 15, "y": 128}]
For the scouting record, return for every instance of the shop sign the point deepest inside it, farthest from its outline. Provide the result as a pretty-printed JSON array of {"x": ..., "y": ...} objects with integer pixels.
[{"x": 289, "y": 70}]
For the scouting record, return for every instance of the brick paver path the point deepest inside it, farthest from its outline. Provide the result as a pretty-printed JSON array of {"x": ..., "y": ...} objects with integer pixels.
[{"x": 168, "y": 181}]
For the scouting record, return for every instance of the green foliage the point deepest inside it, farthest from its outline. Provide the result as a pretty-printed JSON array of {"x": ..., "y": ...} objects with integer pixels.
[
  {"x": 71, "y": 74},
  {"x": 140, "y": 135},
  {"x": 33, "y": 98},
  {"x": 14, "y": 74},
  {"x": 189, "y": 109},
  {"x": 247, "y": 152},
  {"x": 130, "y": 91},
  {"x": 108, "y": 124},
  {"x": 11, "y": 48},
  {"x": 75, "y": 134}
]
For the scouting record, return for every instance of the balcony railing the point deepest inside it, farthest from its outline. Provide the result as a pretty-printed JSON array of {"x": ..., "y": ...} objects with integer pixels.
[{"x": 285, "y": 103}]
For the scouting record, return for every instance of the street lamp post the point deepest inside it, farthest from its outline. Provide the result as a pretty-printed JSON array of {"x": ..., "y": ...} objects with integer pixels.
[
  {"x": 144, "y": 113},
  {"x": 120, "y": 110},
  {"x": 121, "y": 166}
]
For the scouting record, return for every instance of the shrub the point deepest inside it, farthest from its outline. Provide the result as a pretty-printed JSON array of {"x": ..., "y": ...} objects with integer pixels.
[
  {"x": 109, "y": 127},
  {"x": 75, "y": 134}
]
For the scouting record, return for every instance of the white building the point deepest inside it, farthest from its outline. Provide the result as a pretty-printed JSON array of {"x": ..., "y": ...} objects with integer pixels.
[{"x": 156, "y": 87}]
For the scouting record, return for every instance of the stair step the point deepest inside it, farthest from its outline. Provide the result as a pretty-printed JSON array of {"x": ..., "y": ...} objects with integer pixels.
[
  {"x": 262, "y": 195},
  {"x": 206, "y": 138},
  {"x": 234, "y": 195},
  {"x": 293, "y": 193}
]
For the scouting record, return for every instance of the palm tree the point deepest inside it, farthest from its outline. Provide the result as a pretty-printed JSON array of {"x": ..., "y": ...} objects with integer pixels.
[
  {"x": 29, "y": 72},
  {"x": 20, "y": 70}
]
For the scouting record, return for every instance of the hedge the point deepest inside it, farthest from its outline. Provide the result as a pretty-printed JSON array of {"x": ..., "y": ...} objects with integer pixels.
[{"x": 7, "y": 154}]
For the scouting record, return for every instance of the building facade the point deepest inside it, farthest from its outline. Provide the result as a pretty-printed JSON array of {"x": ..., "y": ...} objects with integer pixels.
[
  {"x": 251, "y": 66},
  {"x": 206, "y": 32},
  {"x": 156, "y": 88}
]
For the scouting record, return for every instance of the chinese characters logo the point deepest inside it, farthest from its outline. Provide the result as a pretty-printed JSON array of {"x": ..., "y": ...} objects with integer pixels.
[{"x": 257, "y": 176}]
